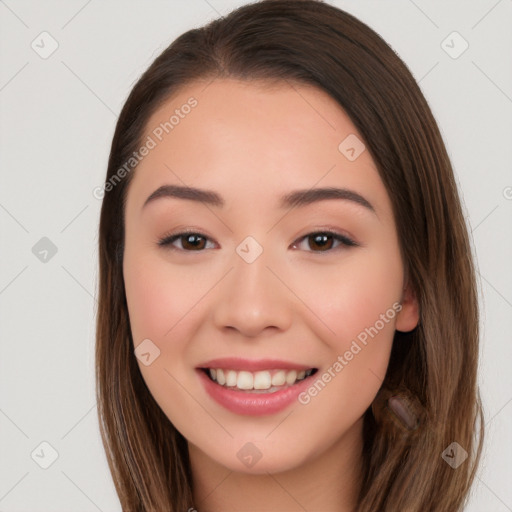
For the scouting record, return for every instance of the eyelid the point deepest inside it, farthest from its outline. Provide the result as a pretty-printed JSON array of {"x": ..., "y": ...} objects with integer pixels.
[
  {"x": 345, "y": 241},
  {"x": 169, "y": 238}
]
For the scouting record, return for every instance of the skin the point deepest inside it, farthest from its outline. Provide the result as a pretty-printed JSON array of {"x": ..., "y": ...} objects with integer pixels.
[{"x": 252, "y": 143}]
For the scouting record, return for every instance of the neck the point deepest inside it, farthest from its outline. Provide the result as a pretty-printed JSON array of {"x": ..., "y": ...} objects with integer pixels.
[{"x": 329, "y": 482}]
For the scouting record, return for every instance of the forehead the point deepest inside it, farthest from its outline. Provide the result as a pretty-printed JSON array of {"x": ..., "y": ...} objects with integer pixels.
[
  {"x": 235, "y": 135},
  {"x": 277, "y": 109}
]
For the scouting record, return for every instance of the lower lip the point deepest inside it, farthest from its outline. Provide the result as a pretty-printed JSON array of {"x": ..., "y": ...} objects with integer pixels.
[{"x": 253, "y": 404}]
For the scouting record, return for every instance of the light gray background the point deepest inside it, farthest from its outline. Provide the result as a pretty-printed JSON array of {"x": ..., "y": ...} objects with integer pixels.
[{"x": 57, "y": 119}]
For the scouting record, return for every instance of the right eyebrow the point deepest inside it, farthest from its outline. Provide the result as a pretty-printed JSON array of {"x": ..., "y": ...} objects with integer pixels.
[{"x": 191, "y": 193}]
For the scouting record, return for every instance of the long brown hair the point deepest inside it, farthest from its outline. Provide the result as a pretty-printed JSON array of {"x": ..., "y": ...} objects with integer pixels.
[{"x": 433, "y": 369}]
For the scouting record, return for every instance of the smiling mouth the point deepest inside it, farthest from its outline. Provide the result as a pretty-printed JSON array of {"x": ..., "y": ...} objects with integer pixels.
[{"x": 264, "y": 381}]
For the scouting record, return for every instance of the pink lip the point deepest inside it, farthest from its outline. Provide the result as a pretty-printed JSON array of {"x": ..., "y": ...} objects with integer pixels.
[
  {"x": 253, "y": 404},
  {"x": 250, "y": 365}
]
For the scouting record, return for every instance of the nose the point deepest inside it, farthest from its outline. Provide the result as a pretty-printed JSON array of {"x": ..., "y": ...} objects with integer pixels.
[{"x": 253, "y": 299}]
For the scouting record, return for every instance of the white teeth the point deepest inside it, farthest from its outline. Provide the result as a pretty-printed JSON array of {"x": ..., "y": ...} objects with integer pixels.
[
  {"x": 260, "y": 380},
  {"x": 231, "y": 378},
  {"x": 220, "y": 377},
  {"x": 245, "y": 380},
  {"x": 279, "y": 378},
  {"x": 291, "y": 377}
]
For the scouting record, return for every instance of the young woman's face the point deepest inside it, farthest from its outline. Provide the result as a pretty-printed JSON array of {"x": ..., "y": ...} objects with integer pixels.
[{"x": 261, "y": 290}]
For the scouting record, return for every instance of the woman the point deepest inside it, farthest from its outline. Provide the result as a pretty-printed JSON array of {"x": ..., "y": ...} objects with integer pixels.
[{"x": 288, "y": 316}]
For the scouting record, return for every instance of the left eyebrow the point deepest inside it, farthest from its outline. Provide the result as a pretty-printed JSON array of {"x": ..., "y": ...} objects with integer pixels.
[
  {"x": 305, "y": 197},
  {"x": 294, "y": 199}
]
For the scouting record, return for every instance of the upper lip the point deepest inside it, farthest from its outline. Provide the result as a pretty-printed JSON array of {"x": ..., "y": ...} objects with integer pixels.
[{"x": 238, "y": 363}]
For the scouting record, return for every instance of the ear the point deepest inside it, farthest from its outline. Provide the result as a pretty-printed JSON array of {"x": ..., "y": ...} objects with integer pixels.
[{"x": 409, "y": 316}]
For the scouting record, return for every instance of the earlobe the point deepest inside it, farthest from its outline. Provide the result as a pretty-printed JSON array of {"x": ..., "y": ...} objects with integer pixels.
[{"x": 409, "y": 316}]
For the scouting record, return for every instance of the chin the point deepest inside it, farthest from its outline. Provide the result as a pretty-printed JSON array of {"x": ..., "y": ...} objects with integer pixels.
[{"x": 257, "y": 458}]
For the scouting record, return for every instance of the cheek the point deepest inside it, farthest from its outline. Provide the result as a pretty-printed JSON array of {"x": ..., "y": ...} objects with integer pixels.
[
  {"x": 161, "y": 307},
  {"x": 158, "y": 296},
  {"x": 360, "y": 306},
  {"x": 361, "y": 292},
  {"x": 359, "y": 302}
]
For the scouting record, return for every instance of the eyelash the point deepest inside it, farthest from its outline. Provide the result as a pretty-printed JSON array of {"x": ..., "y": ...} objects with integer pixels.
[{"x": 345, "y": 242}]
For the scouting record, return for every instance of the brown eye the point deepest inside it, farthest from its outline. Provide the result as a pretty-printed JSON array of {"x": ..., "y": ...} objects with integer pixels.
[
  {"x": 189, "y": 242},
  {"x": 321, "y": 241},
  {"x": 193, "y": 242},
  {"x": 324, "y": 241}
]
